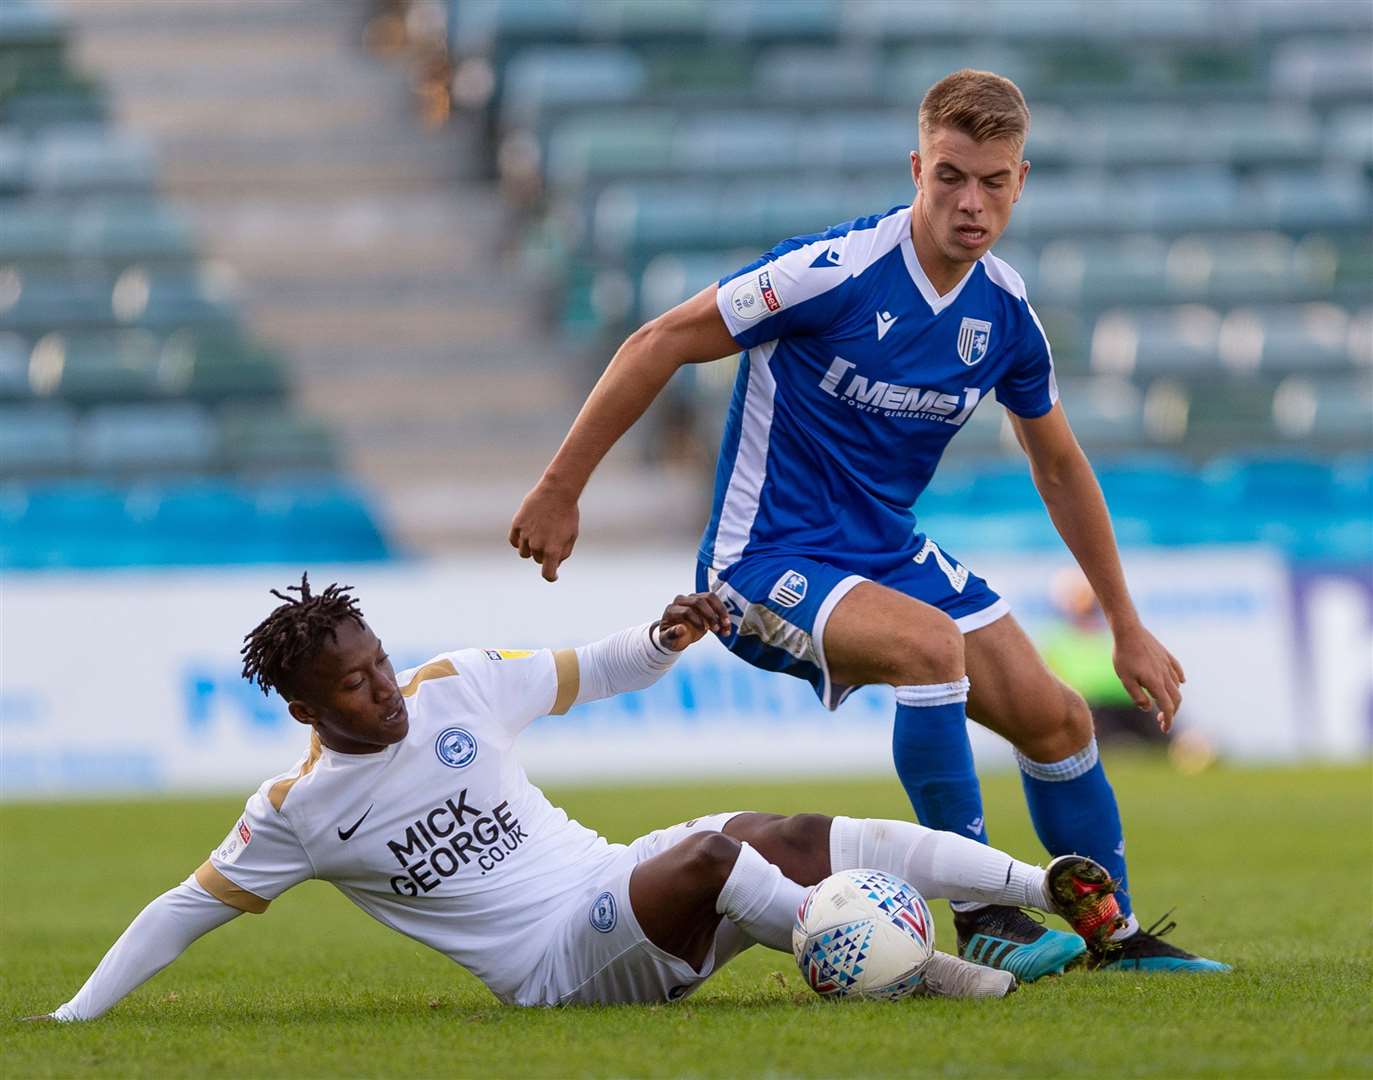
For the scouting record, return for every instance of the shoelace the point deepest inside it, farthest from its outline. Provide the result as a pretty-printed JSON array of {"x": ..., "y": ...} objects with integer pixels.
[{"x": 1154, "y": 930}]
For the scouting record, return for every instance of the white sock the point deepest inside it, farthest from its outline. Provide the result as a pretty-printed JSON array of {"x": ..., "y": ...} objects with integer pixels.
[
  {"x": 760, "y": 899},
  {"x": 1131, "y": 927},
  {"x": 939, "y": 864}
]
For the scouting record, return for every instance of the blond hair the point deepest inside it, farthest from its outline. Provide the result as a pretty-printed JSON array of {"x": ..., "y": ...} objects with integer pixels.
[{"x": 981, "y": 104}]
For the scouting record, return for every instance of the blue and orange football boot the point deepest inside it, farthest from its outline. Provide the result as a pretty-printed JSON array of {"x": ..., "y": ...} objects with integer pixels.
[{"x": 1145, "y": 950}]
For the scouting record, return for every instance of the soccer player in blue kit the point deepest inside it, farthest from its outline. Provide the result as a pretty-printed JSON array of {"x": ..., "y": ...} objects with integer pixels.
[{"x": 866, "y": 348}]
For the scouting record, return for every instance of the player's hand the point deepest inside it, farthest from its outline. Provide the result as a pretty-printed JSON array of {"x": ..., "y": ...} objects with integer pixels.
[
  {"x": 688, "y": 619},
  {"x": 1149, "y": 671},
  {"x": 545, "y": 528}
]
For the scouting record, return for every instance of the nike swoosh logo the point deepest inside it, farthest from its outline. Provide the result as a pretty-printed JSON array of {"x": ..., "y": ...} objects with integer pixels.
[{"x": 343, "y": 834}]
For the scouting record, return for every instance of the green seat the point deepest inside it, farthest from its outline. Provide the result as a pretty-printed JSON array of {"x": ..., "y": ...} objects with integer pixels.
[
  {"x": 1180, "y": 341},
  {"x": 1109, "y": 270},
  {"x": 148, "y": 437},
  {"x": 572, "y": 76},
  {"x": 274, "y": 441},
  {"x": 1349, "y": 135},
  {"x": 14, "y": 166},
  {"x": 1330, "y": 412},
  {"x": 89, "y": 158},
  {"x": 215, "y": 379},
  {"x": 608, "y": 144},
  {"x": 36, "y": 438},
  {"x": 35, "y": 110},
  {"x": 670, "y": 278},
  {"x": 805, "y": 74}
]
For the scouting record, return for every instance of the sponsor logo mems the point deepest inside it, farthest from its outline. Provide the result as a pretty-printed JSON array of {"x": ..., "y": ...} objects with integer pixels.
[
  {"x": 895, "y": 400},
  {"x": 450, "y": 837}
]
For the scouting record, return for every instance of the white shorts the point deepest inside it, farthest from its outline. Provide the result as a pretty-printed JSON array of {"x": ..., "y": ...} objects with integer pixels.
[{"x": 596, "y": 952}]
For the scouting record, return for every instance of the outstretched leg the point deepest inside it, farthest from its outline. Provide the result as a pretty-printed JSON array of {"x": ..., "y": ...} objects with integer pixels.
[{"x": 941, "y": 865}]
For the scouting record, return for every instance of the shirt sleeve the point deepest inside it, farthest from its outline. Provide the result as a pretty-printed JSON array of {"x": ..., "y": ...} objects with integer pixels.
[
  {"x": 161, "y": 932},
  {"x": 1029, "y": 388},
  {"x": 518, "y": 685},
  {"x": 522, "y": 686},
  {"x": 792, "y": 291},
  {"x": 258, "y": 861}
]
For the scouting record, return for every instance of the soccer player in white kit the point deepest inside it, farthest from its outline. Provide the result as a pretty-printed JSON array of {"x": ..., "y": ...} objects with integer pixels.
[{"x": 411, "y": 802}]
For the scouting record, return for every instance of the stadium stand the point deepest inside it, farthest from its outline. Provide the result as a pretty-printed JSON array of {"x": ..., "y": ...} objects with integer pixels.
[
  {"x": 445, "y": 232},
  {"x": 1197, "y": 232},
  {"x": 139, "y": 423}
]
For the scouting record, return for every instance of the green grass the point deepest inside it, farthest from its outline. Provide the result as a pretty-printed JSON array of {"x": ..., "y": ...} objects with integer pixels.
[{"x": 1269, "y": 869}]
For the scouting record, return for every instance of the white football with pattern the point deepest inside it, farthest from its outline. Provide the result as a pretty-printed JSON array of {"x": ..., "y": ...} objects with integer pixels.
[{"x": 864, "y": 934}]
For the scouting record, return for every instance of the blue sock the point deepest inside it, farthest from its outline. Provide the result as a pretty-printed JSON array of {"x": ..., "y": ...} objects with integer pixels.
[
  {"x": 935, "y": 760},
  {"x": 1074, "y": 811}
]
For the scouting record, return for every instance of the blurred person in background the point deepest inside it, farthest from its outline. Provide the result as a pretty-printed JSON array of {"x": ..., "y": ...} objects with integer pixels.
[
  {"x": 1077, "y": 647},
  {"x": 867, "y": 346}
]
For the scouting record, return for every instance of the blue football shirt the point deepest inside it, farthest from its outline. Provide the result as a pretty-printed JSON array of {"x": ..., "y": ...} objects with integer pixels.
[{"x": 855, "y": 375}]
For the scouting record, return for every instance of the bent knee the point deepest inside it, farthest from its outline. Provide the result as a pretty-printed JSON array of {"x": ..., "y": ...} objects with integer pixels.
[
  {"x": 1061, "y": 733},
  {"x": 805, "y": 832},
  {"x": 932, "y": 651},
  {"x": 710, "y": 856}
]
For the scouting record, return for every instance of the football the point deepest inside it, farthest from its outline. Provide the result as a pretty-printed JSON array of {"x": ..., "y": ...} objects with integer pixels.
[{"x": 864, "y": 934}]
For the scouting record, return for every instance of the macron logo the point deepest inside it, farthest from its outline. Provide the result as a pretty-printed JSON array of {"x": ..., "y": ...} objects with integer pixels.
[
  {"x": 975, "y": 826},
  {"x": 827, "y": 258},
  {"x": 885, "y": 320}
]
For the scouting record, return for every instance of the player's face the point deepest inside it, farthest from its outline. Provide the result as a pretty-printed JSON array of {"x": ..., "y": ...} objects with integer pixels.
[
  {"x": 350, "y": 694},
  {"x": 966, "y": 190}
]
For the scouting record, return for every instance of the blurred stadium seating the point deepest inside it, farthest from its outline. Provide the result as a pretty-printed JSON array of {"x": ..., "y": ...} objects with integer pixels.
[
  {"x": 1197, "y": 236},
  {"x": 139, "y": 424},
  {"x": 1197, "y": 232}
]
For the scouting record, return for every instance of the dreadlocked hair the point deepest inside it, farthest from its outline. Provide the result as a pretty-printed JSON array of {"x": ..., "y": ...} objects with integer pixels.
[{"x": 294, "y": 632}]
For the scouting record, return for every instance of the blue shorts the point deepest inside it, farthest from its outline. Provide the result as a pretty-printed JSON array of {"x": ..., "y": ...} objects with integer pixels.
[{"x": 781, "y": 603}]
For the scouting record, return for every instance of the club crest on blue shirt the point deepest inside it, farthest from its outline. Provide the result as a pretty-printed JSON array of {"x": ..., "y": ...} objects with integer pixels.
[
  {"x": 973, "y": 338},
  {"x": 790, "y": 589}
]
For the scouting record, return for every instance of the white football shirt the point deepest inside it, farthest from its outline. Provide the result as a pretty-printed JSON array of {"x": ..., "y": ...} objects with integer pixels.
[{"x": 442, "y": 836}]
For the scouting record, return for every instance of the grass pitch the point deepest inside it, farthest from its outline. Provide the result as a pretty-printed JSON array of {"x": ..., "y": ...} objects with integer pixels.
[{"x": 1269, "y": 869}]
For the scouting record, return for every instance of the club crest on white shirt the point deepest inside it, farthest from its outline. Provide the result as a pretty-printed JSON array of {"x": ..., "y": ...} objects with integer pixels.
[
  {"x": 974, "y": 335},
  {"x": 456, "y": 747}
]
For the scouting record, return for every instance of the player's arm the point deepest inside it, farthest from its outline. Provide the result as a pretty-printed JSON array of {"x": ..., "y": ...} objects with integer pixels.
[
  {"x": 636, "y": 658},
  {"x": 258, "y": 861},
  {"x": 545, "y": 526},
  {"x": 1073, "y": 498},
  {"x": 162, "y": 931},
  {"x": 548, "y": 683}
]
